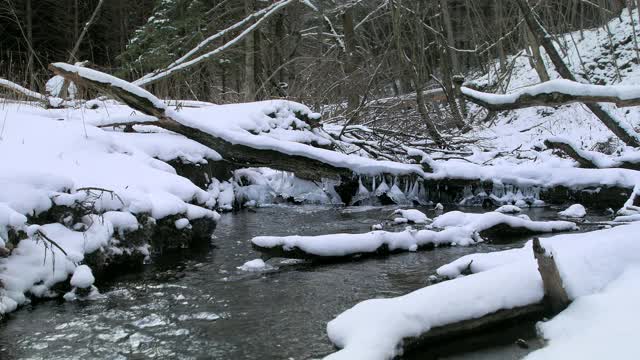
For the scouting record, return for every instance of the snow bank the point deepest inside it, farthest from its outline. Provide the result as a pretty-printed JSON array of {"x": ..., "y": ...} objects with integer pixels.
[
  {"x": 374, "y": 329},
  {"x": 599, "y": 326}
]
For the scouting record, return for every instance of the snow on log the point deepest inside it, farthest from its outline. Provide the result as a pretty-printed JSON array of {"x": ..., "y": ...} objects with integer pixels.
[
  {"x": 237, "y": 146},
  {"x": 24, "y": 91},
  {"x": 457, "y": 229},
  {"x": 554, "y": 93},
  {"x": 591, "y": 159},
  {"x": 375, "y": 329},
  {"x": 492, "y": 222},
  {"x": 504, "y": 282}
]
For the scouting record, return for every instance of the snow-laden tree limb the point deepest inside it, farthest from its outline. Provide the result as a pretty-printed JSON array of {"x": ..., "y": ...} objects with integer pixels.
[
  {"x": 238, "y": 147},
  {"x": 591, "y": 159},
  {"x": 182, "y": 63},
  {"x": 554, "y": 93},
  {"x": 22, "y": 90}
]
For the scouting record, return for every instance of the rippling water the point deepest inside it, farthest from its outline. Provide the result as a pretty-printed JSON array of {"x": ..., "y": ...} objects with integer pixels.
[{"x": 200, "y": 306}]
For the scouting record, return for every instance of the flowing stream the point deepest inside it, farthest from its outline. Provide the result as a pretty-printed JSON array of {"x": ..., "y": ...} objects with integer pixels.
[{"x": 198, "y": 305}]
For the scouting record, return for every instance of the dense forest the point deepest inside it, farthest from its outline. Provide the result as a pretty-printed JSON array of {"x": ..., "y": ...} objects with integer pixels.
[{"x": 303, "y": 179}]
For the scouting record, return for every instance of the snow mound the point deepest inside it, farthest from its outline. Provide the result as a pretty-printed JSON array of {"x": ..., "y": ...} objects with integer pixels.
[
  {"x": 508, "y": 209},
  {"x": 598, "y": 326},
  {"x": 254, "y": 265},
  {"x": 413, "y": 216},
  {"x": 82, "y": 277},
  {"x": 574, "y": 211}
]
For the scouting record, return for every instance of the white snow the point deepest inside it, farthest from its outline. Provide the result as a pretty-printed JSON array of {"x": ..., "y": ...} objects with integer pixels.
[
  {"x": 480, "y": 222},
  {"x": 508, "y": 209},
  {"x": 458, "y": 229},
  {"x": 82, "y": 277},
  {"x": 254, "y": 265},
  {"x": 413, "y": 216},
  {"x": 374, "y": 329},
  {"x": 182, "y": 223},
  {"x": 599, "y": 326},
  {"x": 574, "y": 211},
  {"x": 562, "y": 86}
]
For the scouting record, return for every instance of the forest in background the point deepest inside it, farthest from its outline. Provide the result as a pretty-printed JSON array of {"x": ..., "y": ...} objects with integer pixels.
[{"x": 342, "y": 53}]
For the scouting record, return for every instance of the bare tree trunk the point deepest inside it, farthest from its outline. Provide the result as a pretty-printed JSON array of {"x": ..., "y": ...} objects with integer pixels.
[
  {"x": 350, "y": 58},
  {"x": 31, "y": 55},
  {"x": 85, "y": 29},
  {"x": 249, "y": 60},
  {"x": 446, "y": 18},
  {"x": 536, "y": 57}
]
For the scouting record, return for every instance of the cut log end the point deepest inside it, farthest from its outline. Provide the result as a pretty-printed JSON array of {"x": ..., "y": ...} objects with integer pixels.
[{"x": 555, "y": 295}]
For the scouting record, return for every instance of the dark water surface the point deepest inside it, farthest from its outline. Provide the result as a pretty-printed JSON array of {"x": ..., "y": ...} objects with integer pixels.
[{"x": 200, "y": 306}]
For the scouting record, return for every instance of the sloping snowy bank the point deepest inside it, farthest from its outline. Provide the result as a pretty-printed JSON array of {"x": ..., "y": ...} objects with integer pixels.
[{"x": 374, "y": 329}]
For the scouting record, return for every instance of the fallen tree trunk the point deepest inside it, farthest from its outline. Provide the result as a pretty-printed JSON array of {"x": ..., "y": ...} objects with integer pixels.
[
  {"x": 554, "y": 93},
  {"x": 236, "y": 145},
  {"x": 237, "y": 155},
  {"x": 589, "y": 159},
  {"x": 6, "y": 84}
]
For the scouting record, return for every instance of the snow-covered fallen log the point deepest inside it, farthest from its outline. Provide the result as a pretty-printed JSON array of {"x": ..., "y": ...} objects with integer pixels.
[
  {"x": 30, "y": 94},
  {"x": 554, "y": 93},
  {"x": 506, "y": 280},
  {"x": 592, "y": 159},
  {"x": 236, "y": 145},
  {"x": 457, "y": 229}
]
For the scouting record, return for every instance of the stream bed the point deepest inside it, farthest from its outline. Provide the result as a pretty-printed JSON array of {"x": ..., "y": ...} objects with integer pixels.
[{"x": 198, "y": 305}]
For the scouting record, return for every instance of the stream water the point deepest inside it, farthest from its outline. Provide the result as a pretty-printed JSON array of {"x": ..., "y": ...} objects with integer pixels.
[{"x": 198, "y": 305}]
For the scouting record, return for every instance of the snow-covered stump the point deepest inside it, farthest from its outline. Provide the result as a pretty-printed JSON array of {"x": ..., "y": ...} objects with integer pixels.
[{"x": 555, "y": 296}]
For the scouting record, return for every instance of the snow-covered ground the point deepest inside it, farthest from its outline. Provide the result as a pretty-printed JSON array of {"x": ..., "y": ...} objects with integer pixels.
[
  {"x": 374, "y": 329},
  {"x": 589, "y": 56}
]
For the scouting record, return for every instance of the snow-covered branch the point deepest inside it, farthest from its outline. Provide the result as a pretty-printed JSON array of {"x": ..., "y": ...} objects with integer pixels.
[
  {"x": 556, "y": 92},
  {"x": 591, "y": 159},
  {"x": 182, "y": 63},
  {"x": 22, "y": 90}
]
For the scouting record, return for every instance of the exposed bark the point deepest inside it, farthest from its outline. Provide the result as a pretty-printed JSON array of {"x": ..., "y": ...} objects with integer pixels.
[
  {"x": 249, "y": 59},
  {"x": 585, "y": 162},
  {"x": 546, "y": 41},
  {"x": 554, "y": 293},
  {"x": 571, "y": 152},
  {"x": 353, "y": 100}
]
